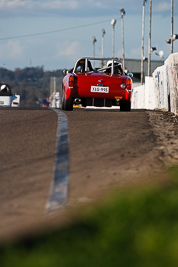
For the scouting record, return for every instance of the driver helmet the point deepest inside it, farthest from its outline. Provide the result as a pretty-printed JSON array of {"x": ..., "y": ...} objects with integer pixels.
[
  {"x": 116, "y": 62},
  {"x": 3, "y": 87}
]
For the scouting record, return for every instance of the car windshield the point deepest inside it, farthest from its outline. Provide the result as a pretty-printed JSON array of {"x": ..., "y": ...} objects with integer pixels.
[{"x": 80, "y": 67}]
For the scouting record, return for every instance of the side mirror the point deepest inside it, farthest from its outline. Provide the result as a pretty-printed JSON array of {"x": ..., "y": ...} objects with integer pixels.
[{"x": 65, "y": 72}]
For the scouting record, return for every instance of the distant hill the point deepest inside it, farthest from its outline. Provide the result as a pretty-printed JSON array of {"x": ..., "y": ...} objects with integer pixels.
[{"x": 32, "y": 83}]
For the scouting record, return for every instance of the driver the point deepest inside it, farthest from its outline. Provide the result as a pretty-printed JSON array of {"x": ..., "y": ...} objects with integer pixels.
[
  {"x": 5, "y": 88},
  {"x": 117, "y": 67}
]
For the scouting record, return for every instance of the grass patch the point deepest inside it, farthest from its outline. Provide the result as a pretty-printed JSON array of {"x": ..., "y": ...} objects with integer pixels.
[{"x": 134, "y": 228}]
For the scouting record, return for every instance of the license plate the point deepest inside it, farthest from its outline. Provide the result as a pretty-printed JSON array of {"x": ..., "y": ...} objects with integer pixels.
[
  {"x": 99, "y": 89},
  {"x": 1, "y": 102}
]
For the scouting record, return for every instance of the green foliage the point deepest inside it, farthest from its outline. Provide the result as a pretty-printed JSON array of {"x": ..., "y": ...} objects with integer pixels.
[
  {"x": 32, "y": 84},
  {"x": 135, "y": 228}
]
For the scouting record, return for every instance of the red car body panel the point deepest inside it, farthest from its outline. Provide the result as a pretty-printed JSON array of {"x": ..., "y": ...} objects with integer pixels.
[{"x": 84, "y": 81}]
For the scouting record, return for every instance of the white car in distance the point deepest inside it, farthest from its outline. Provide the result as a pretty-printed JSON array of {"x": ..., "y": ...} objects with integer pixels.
[{"x": 7, "y": 99}]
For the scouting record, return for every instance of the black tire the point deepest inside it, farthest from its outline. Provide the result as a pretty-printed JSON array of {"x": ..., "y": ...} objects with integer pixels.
[
  {"x": 83, "y": 101},
  {"x": 67, "y": 104},
  {"x": 125, "y": 106}
]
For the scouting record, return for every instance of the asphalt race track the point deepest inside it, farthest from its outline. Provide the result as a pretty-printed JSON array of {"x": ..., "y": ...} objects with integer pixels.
[
  {"x": 108, "y": 150},
  {"x": 27, "y": 152}
]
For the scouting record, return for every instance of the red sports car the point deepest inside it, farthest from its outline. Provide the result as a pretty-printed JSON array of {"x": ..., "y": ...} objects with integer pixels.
[{"x": 104, "y": 86}]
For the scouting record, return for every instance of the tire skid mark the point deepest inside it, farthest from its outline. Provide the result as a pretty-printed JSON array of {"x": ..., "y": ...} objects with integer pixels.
[{"x": 59, "y": 188}]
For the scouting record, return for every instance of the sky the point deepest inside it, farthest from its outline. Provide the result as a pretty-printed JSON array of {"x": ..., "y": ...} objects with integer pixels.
[{"x": 54, "y": 34}]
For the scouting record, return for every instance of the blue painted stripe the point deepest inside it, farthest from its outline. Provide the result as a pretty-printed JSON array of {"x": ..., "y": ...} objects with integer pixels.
[{"x": 59, "y": 187}]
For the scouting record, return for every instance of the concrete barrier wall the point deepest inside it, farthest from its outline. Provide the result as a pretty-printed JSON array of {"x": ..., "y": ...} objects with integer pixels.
[{"x": 161, "y": 90}]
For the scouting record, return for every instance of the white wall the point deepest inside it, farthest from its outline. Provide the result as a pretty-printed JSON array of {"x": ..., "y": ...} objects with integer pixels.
[{"x": 161, "y": 90}]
